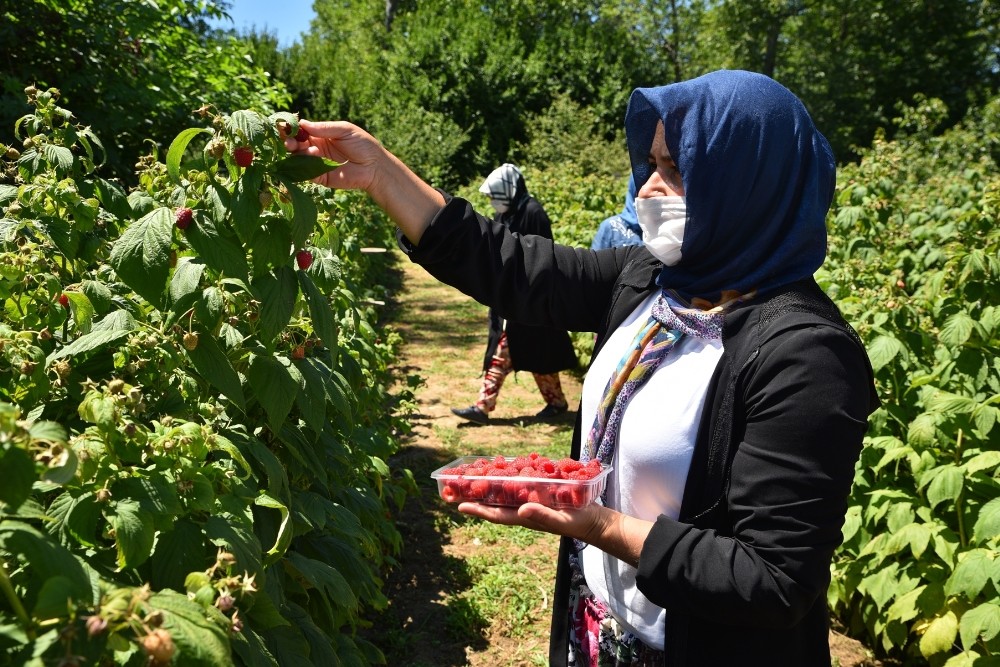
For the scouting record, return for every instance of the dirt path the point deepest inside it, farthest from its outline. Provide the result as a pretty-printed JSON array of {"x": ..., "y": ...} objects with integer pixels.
[{"x": 466, "y": 593}]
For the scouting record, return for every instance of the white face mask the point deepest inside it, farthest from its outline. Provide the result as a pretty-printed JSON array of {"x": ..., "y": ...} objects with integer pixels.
[
  {"x": 662, "y": 220},
  {"x": 499, "y": 206}
]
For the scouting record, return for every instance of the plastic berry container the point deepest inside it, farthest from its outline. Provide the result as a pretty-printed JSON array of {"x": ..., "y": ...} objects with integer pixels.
[{"x": 512, "y": 481}]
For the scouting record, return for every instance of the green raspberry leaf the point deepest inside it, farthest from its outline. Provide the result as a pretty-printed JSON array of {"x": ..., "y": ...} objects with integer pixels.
[
  {"x": 177, "y": 149},
  {"x": 141, "y": 256},
  {"x": 304, "y": 167}
]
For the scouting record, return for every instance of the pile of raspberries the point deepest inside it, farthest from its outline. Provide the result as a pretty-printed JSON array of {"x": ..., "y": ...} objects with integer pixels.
[{"x": 523, "y": 479}]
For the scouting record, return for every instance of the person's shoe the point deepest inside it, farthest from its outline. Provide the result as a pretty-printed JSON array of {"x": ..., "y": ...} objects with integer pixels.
[
  {"x": 473, "y": 413},
  {"x": 550, "y": 411}
]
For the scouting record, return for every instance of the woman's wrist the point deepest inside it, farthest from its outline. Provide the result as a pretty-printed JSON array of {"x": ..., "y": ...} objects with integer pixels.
[{"x": 617, "y": 534}]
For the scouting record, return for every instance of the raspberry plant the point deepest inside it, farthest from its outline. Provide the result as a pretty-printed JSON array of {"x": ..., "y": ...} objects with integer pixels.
[
  {"x": 192, "y": 424},
  {"x": 915, "y": 265}
]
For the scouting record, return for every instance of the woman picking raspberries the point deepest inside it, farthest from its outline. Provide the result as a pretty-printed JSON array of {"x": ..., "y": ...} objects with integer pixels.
[{"x": 725, "y": 388}]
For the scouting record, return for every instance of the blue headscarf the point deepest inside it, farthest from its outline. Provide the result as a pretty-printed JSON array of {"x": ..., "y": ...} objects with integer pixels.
[
  {"x": 622, "y": 228},
  {"x": 758, "y": 180},
  {"x": 628, "y": 215}
]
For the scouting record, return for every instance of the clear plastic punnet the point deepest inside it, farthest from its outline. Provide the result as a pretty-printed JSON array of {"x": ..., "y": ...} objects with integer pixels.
[{"x": 511, "y": 481}]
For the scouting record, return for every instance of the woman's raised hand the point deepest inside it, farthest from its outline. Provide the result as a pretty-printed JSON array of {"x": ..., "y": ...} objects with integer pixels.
[
  {"x": 367, "y": 165},
  {"x": 341, "y": 142}
]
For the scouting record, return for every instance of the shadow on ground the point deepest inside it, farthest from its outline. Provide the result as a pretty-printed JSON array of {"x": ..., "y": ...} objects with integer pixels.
[{"x": 427, "y": 621}]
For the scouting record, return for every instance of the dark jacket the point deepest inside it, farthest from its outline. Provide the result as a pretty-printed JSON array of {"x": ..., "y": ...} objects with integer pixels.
[
  {"x": 744, "y": 570},
  {"x": 534, "y": 349}
]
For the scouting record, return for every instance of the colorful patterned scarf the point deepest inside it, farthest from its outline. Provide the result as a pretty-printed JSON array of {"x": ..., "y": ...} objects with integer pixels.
[{"x": 657, "y": 337}]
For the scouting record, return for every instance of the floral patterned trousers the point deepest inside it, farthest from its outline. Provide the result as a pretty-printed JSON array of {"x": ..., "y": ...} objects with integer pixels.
[
  {"x": 596, "y": 639},
  {"x": 500, "y": 368}
]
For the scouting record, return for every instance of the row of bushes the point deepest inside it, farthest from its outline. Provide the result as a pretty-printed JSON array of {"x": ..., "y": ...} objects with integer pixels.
[{"x": 195, "y": 413}]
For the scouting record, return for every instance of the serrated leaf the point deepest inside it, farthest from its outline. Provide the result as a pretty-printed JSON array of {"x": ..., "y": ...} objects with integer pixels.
[
  {"x": 186, "y": 279},
  {"x": 44, "y": 557},
  {"x": 176, "y": 151},
  {"x": 246, "y": 206},
  {"x": 970, "y": 574},
  {"x": 883, "y": 350},
  {"x": 986, "y": 417},
  {"x": 249, "y": 645},
  {"x": 55, "y": 598},
  {"x": 981, "y": 623},
  {"x": 81, "y": 309},
  {"x": 98, "y": 293},
  {"x": 141, "y": 255},
  {"x": 922, "y": 431},
  {"x": 251, "y": 448},
  {"x": 915, "y": 535},
  {"x": 304, "y": 167},
  {"x": 946, "y": 484},
  {"x": 906, "y": 606},
  {"x": 233, "y": 536},
  {"x": 113, "y": 199},
  {"x": 178, "y": 552},
  {"x": 982, "y": 461},
  {"x": 987, "y": 523},
  {"x": 957, "y": 329},
  {"x": 964, "y": 659},
  {"x": 221, "y": 252},
  {"x": 249, "y": 124},
  {"x": 274, "y": 387},
  {"x": 209, "y": 307},
  {"x": 213, "y": 365},
  {"x": 319, "y": 311},
  {"x": 201, "y": 641},
  {"x": 270, "y": 244},
  {"x": 325, "y": 270},
  {"x": 81, "y": 520},
  {"x": 96, "y": 339},
  {"x": 882, "y": 585},
  {"x": 7, "y": 192},
  {"x": 277, "y": 292},
  {"x": 939, "y": 635},
  {"x": 134, "y": 532},
  {"x": 326, "y": 580},
  {"x": 304, "y": 215},
  {"x": 65, "y": 237},
  {"x": 947, "y": 403},
  {"x": 58, "y": 156},
  {"x": 312, "y": 396}
]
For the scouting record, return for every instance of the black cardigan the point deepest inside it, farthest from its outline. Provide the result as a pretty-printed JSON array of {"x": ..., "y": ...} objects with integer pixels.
[
  {"x": 744, "y": 570},
  {"x": 532, "y": 348}
]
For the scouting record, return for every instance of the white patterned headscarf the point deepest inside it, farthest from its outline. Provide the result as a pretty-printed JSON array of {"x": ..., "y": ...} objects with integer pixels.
[{"x": 502, "y": 184}]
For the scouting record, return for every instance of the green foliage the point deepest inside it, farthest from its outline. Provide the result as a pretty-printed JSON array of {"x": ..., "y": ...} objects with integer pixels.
[
  {"x": 915, "y": 265},
  {"x": 836, "y": 57},
  {"x": 193, "y": 429},
  {"x": 132, "y": 71},
  {"x": 452, "y": 86}
]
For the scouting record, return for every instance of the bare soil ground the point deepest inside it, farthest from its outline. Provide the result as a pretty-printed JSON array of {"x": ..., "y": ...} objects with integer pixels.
[{"x": 464, "y": 592}]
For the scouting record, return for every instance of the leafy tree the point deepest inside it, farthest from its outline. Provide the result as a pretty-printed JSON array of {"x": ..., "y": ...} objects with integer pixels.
[
  {"x": 452, "y": 85},
  {"x": 854, "y": 63},
  {"x": 132, "y": 71}
]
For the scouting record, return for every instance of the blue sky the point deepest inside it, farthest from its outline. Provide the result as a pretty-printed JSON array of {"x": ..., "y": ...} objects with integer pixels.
[{"x": 287, "y": 18}]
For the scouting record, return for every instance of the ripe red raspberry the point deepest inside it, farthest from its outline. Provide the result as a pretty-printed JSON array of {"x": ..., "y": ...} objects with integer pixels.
[
  {"x": 243, "y": 156},
  {"x": 304, "y": 259},
  {"x": 183, "y": 218},
  {"x": 64, "y": 301},
  {"x": 450, "y": 494},
  {"x": 298, "y": 353},
  {"x": 302, "y": 134}
]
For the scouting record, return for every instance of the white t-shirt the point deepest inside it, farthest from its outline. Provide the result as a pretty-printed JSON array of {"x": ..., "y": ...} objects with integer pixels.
[{"x": 651, "y": 460}]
